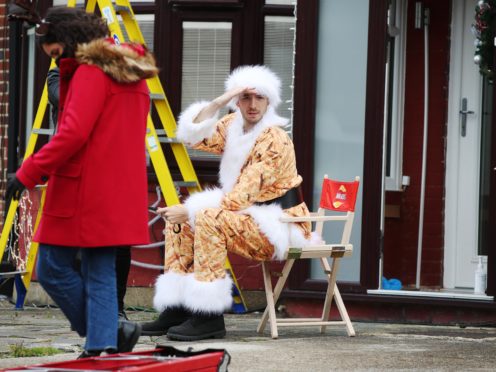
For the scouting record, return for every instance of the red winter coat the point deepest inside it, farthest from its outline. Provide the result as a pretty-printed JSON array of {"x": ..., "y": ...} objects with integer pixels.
[{"x": 96, "y": 162}]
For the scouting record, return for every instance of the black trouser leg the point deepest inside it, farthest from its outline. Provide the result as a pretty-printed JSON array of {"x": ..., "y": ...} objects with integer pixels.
[{"x": 122, "y": 266}]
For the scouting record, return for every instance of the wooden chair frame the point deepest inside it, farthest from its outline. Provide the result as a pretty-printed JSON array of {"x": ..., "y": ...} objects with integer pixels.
[{"x": 329, "y": 256}]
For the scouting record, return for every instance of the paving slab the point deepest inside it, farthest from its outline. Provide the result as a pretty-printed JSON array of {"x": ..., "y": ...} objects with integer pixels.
[{"x": 376, "y": 347}]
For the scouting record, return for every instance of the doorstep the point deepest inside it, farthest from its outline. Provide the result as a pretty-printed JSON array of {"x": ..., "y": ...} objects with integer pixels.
[{"x": 443, "y": 293}]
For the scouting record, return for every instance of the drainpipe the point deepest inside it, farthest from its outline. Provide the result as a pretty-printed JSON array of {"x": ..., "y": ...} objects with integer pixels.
[{"x": 422, "y": 19}]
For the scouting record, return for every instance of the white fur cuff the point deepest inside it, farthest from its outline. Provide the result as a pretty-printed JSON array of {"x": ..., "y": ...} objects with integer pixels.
[
  {"x": 202, "y": 200},
  {"x": 169, "y": 290},
  {"x": 282, "y": 235},
  {"x": 190, "y": 132},
  {"x": 208, "y": 297}
]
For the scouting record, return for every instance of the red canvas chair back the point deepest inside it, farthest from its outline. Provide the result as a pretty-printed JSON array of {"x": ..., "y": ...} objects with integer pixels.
[{"x": 339, "y": 196}]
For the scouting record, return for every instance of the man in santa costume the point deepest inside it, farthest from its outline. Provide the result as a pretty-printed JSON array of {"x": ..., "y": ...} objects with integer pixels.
[{"x": 258, "y": 185}]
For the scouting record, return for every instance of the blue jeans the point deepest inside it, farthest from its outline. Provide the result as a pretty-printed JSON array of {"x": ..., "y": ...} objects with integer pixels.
[{"x": 88, "y": 299}]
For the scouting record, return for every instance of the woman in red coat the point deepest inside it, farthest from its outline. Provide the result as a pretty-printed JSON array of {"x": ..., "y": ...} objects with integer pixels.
[{"x": 95, "y": 166}]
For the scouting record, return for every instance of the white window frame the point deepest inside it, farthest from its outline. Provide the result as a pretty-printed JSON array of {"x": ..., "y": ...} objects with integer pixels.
[{"x": 397, "y": 26}]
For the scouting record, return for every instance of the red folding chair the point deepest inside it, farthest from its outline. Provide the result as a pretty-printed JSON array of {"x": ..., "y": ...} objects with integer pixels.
[{"x": 339, "y": 197}]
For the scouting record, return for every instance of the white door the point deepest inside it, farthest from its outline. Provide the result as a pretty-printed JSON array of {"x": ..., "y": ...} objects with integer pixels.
[{"x": 463, "y": 152}]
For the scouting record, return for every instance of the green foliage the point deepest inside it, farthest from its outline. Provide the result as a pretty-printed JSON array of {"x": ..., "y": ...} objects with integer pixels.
[
  {"x": 483, "y": 29},
  {"x": 20, "y": 351}
]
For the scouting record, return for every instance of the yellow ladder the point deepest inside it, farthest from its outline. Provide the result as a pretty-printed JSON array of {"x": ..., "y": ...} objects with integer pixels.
[
  {"x": 23, "y": 279},
  {"x": 109, "y": 10}
]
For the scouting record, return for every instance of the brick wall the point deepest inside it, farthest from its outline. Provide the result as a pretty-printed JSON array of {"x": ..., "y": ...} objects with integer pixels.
[
  {"x": 400, "y": 243},
  {"x": 4, "y": 99}
]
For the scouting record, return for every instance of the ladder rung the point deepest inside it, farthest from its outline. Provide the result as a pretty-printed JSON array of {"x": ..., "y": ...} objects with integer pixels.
[
  {"x": 157, "y": 96},
  {"x": 121, "y": 8},
  {"x": 168, "y": 140},
  {"x": 43, "y": 131},
  {"x": 10, "y": 274},
  {"x": 185, "y": 184},
  {"x": 162, "y": 137}
]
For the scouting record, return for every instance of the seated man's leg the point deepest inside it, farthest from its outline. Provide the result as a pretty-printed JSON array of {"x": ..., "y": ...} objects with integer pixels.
[
  {"x": 207, "y": 293},
  {"x": 169, "y": 286}
]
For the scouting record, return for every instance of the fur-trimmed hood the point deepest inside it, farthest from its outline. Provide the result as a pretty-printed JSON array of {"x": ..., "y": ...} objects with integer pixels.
[{"x": 125, "y": 63}]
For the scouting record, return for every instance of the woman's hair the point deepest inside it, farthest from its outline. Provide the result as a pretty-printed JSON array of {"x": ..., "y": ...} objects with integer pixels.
[{"x": 71, "y": 26}]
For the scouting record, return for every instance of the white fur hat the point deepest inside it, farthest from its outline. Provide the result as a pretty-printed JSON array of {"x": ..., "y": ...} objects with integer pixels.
[{"x": 259, "y": 77}]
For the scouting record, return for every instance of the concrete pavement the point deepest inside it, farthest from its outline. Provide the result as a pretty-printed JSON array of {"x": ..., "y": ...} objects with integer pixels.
[{"x": 377, "y": 346}]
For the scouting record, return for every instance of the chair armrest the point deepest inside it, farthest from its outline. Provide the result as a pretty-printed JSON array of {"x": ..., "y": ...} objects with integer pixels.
[
  {"x": 313, "y": 218},
  {"x": 316, "y": 251}
]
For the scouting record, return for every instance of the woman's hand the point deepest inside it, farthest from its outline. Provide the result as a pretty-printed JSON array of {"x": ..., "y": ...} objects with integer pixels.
[{"x": 174, "y": 214}]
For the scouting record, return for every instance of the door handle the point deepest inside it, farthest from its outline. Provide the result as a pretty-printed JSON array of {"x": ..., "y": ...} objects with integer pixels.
[{"x": 464, "y": 112}]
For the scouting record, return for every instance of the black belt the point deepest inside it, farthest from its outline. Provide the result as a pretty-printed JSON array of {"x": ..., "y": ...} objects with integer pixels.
[{"x": 292, "y": 198}]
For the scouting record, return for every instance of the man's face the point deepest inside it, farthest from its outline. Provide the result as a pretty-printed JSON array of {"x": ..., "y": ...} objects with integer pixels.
[{"x": 253, "y": 107}]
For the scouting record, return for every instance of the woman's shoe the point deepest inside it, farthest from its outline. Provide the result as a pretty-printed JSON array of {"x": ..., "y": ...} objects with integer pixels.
[
  {"x": 122, "y": 315},
  {"x": 128, "y": 334},
  {"x": 89, "y": 354}
]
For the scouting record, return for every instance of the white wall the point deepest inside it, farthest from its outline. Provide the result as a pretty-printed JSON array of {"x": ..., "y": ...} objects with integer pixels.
[{"x": 340, "y": 115}]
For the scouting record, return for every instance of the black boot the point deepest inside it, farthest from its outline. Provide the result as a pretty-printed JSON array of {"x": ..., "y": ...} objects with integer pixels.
[
  {"x": 128, "y": 334},
  {"x": 169, "y": 317},
  {"x": 199, "y": 327}
]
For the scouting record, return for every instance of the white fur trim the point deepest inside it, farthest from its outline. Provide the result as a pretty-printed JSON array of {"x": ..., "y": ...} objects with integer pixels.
[
  {"x": 201, "y": 200},
  {"x": 190, "y": 132},
  {"x": 169, "y": 289},
  {"x": 316, "y": 238},
  {"x": 208, "y": 297},
  {"x": 282, "y": 235},
  {"x": 259, "y": 77},
  {"x": 239, "y": 145}
]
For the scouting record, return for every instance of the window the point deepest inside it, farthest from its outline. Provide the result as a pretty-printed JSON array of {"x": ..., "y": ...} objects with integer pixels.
[
  {"x": 279, "y": 56},
  {"x": 206, "y": 60},
  {"x": 206, "y": 63},
  {"x": 395, "y": 94},
  {"x": 211, "y": 38}
]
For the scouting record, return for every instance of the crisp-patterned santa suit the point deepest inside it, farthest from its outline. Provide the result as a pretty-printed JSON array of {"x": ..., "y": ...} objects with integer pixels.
[{"x": 257, "y": 166}]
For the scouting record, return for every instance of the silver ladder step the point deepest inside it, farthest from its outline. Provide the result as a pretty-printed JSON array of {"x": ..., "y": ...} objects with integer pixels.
[
  {"x": 11, "y": 274},
  {"x": 43, "y": 131},
  {"x": 185, "y": 184}
]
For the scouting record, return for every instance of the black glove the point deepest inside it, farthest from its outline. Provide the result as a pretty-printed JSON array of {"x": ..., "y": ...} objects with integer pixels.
[{"x": 14, "y": 188}]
